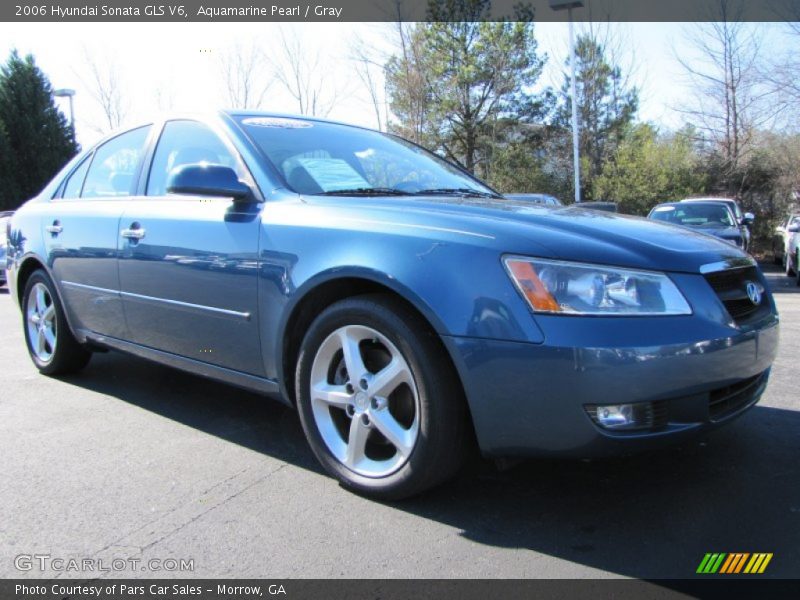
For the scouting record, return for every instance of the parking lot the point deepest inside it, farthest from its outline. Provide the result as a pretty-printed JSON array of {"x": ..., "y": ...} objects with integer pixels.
[{"x": 134, "y": 460}]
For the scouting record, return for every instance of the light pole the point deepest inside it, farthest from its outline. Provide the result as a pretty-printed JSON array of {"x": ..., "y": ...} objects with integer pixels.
[
  {"x": 568, "y": 5},
  {"x": 67, "y": 93}
]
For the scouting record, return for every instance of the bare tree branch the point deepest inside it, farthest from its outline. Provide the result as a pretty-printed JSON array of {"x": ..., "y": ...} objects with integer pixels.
[
  {"x": 303, "y": 74},
  {"x": 369, "y": 67},
  {"x": 732, "y": 101},
  {"x": 105, "y": 87},
  {"x": 247, "y": 74}
]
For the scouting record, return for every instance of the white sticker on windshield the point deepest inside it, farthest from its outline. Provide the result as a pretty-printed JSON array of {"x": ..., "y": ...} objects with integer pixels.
[
  {"x": 277, "y": 122},
  {"x": 663, "y": 208},
  {"x": 332, "y": 174}
]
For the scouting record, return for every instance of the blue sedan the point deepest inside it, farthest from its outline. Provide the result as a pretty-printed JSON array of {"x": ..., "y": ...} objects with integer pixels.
[{"x": 404, "y": 308}]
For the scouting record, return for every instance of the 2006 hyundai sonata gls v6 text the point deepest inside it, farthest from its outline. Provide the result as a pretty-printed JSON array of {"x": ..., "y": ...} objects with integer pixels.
[{"x": 405, "y": 308}]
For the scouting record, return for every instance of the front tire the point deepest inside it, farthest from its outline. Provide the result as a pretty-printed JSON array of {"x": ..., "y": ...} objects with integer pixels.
[
  {"x": 379, "y": 400},
  {"x": 51, "y": 345}
]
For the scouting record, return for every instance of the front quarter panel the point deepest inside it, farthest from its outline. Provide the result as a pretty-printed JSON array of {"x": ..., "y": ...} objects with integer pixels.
[{"x": 453, "y": 277}]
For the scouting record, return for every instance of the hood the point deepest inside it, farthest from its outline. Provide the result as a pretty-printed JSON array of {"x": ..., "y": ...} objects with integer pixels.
[{"x": 515, "y": 227}]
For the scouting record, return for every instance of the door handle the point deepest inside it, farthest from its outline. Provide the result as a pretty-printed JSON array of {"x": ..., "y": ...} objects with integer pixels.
[
  {"x": 135, "y": 232},
  {"x": 55, "y": 228}
]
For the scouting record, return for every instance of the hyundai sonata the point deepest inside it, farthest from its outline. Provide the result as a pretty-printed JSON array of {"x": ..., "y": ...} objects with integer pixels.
[{"x": 405, "y": 308}]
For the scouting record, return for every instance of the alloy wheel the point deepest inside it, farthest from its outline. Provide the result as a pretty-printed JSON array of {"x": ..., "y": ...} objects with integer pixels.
[
  {"x": 41, "y": 321},
  {"x": 364, "y": 400}
]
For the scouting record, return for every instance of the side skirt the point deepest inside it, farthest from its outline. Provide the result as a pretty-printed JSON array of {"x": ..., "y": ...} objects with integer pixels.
[{"x": 260, "y": 385}]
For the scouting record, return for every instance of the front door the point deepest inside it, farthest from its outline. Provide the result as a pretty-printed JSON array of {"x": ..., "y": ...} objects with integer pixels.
[{"x": 188, "y": 265}]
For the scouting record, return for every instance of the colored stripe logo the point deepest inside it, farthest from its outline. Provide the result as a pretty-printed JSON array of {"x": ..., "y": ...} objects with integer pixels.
[{"x": 734, "y": 563}]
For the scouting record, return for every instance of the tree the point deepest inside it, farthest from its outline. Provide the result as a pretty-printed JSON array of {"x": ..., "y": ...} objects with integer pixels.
[
  {"x": 647, "y": 169},
  {"x": 606, "y": 104},
  {"x": 782, "y": 74},
  {"x": 458, "y": 85},
  {"x": 367, "y": 67},
  {"x": 247, "y": 75},
  {"x": 35, "y": 138},
  {"x": 105, "y": 87},
  {"x": 409, "y": 96},
  {"x": 768, "y": 180},
  {"x": 523, "y": 164},
  {"x": 303, "y": 74},
  {"x": 731, "y": 100}
]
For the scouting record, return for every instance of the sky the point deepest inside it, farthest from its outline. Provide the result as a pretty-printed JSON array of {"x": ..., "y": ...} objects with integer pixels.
[{"x": 177, "y": 66}]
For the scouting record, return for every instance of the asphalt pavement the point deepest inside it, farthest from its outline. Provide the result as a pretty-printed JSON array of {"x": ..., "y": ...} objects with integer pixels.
[{"x": 134, "y": 462}]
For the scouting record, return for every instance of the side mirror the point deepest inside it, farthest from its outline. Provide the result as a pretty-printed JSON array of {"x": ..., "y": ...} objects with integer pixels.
[
  {"x": 748, "y": 218},
  {"x": 208, "y": 180},
  {"x": 793, "y": 228}
]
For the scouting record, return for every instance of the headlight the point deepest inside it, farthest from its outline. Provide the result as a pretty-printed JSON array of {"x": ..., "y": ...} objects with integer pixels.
[{"x": 558, "y": 287}]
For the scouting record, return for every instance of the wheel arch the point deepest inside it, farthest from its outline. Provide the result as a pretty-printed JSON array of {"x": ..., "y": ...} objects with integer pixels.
[
  {"x": 28, "y": 266},
  {"x": 322, "y": 291}
]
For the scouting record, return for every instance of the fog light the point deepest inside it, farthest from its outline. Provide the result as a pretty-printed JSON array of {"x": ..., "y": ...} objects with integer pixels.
[
  {"x": 614, "y": 416},
  {"x": 627, "y": 417}
]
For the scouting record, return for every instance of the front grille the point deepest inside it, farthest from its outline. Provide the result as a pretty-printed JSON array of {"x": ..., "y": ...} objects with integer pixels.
[
  {"x": 726, "y": 401},
  {"x": 660, "y": 412},
  {"x": 731, "y": 287}
]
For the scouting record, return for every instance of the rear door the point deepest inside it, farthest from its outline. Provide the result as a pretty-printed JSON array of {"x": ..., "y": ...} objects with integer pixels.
[
  {"x": 81, "y": 232},
  {"x": 189, "y": 264}
]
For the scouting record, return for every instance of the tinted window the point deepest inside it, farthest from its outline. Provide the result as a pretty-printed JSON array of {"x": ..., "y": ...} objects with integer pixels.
[
  {"x": 317, "y": 157},
  {"x": 114, "y": 165},
  {"x": 72, "y": 189},
  {"x": 185, "y": 143}
]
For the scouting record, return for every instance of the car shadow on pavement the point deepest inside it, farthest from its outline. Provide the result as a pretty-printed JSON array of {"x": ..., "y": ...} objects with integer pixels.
[
  {"x": 653, "y": 515},
  {"x": 218, "y": 409},
  {"x": 649, "y": 516}
]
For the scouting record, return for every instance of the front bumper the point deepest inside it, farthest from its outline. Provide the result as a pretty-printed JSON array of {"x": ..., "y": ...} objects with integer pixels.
[{"x": 529, "y": 399}]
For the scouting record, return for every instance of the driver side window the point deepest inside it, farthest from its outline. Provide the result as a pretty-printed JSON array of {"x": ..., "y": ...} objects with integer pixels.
[{"x": 185, "y": 143}]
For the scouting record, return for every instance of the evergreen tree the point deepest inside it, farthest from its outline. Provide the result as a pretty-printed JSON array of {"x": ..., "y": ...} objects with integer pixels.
[
  {"x": 460, "y": 87},
  {"x": 606, "y": 108},
  {"x": 35, "y": 138},
  {"x": 649, "y": 168}
]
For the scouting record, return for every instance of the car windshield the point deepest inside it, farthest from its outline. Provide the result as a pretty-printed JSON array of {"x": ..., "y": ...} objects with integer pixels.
[
  {"x": 330, "y": 159},
  {"x": 694, "y": 215}
]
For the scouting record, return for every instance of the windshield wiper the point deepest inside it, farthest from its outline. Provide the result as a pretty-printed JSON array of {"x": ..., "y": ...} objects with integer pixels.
[
  {"x": 365, "y": 191},
  {"x": 457, "y": 192}
]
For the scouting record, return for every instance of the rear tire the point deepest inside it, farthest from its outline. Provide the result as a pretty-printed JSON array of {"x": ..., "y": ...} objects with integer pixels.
[
  {"x": 379, "y": 400},
  {"x": 51, "y": 345},
  {"x": 788, "y": 267}
]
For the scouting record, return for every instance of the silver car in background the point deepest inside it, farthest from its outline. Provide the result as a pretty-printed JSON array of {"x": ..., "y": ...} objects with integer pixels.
[{"x": 786, "y": 245}]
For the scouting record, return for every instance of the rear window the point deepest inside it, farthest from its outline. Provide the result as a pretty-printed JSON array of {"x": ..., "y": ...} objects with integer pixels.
[{"x": 114, "y": 165}]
